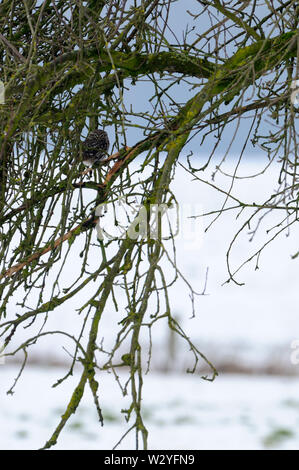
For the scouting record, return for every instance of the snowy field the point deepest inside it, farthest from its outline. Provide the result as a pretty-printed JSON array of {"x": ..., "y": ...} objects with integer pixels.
[
  {"x": 250, "y": 326},
  {"x": 181, "y": 412}
]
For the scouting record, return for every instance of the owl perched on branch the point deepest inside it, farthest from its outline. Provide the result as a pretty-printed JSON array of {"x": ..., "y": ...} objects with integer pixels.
[{"x": 95, "y": 147}]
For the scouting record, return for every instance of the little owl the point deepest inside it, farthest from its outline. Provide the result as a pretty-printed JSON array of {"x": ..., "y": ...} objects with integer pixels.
[{"x": 95, "y": 147}]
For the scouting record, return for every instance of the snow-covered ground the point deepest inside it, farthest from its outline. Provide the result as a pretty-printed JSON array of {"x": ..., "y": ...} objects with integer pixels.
[
  {"x": 253, "y": 326},
  {"x": 180, "y": 412}
]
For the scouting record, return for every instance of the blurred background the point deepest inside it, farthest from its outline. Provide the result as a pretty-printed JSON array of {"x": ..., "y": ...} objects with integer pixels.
[{"x": 247, "y": 331}]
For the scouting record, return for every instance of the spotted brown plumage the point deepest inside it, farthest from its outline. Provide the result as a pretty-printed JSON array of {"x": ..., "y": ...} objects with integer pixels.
[{"x": 95, "y": 147}]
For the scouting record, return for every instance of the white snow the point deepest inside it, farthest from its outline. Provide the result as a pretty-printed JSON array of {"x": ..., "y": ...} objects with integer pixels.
[
  {"x": 250, "y": 324},
  {"x": 180, "y": 412}
]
